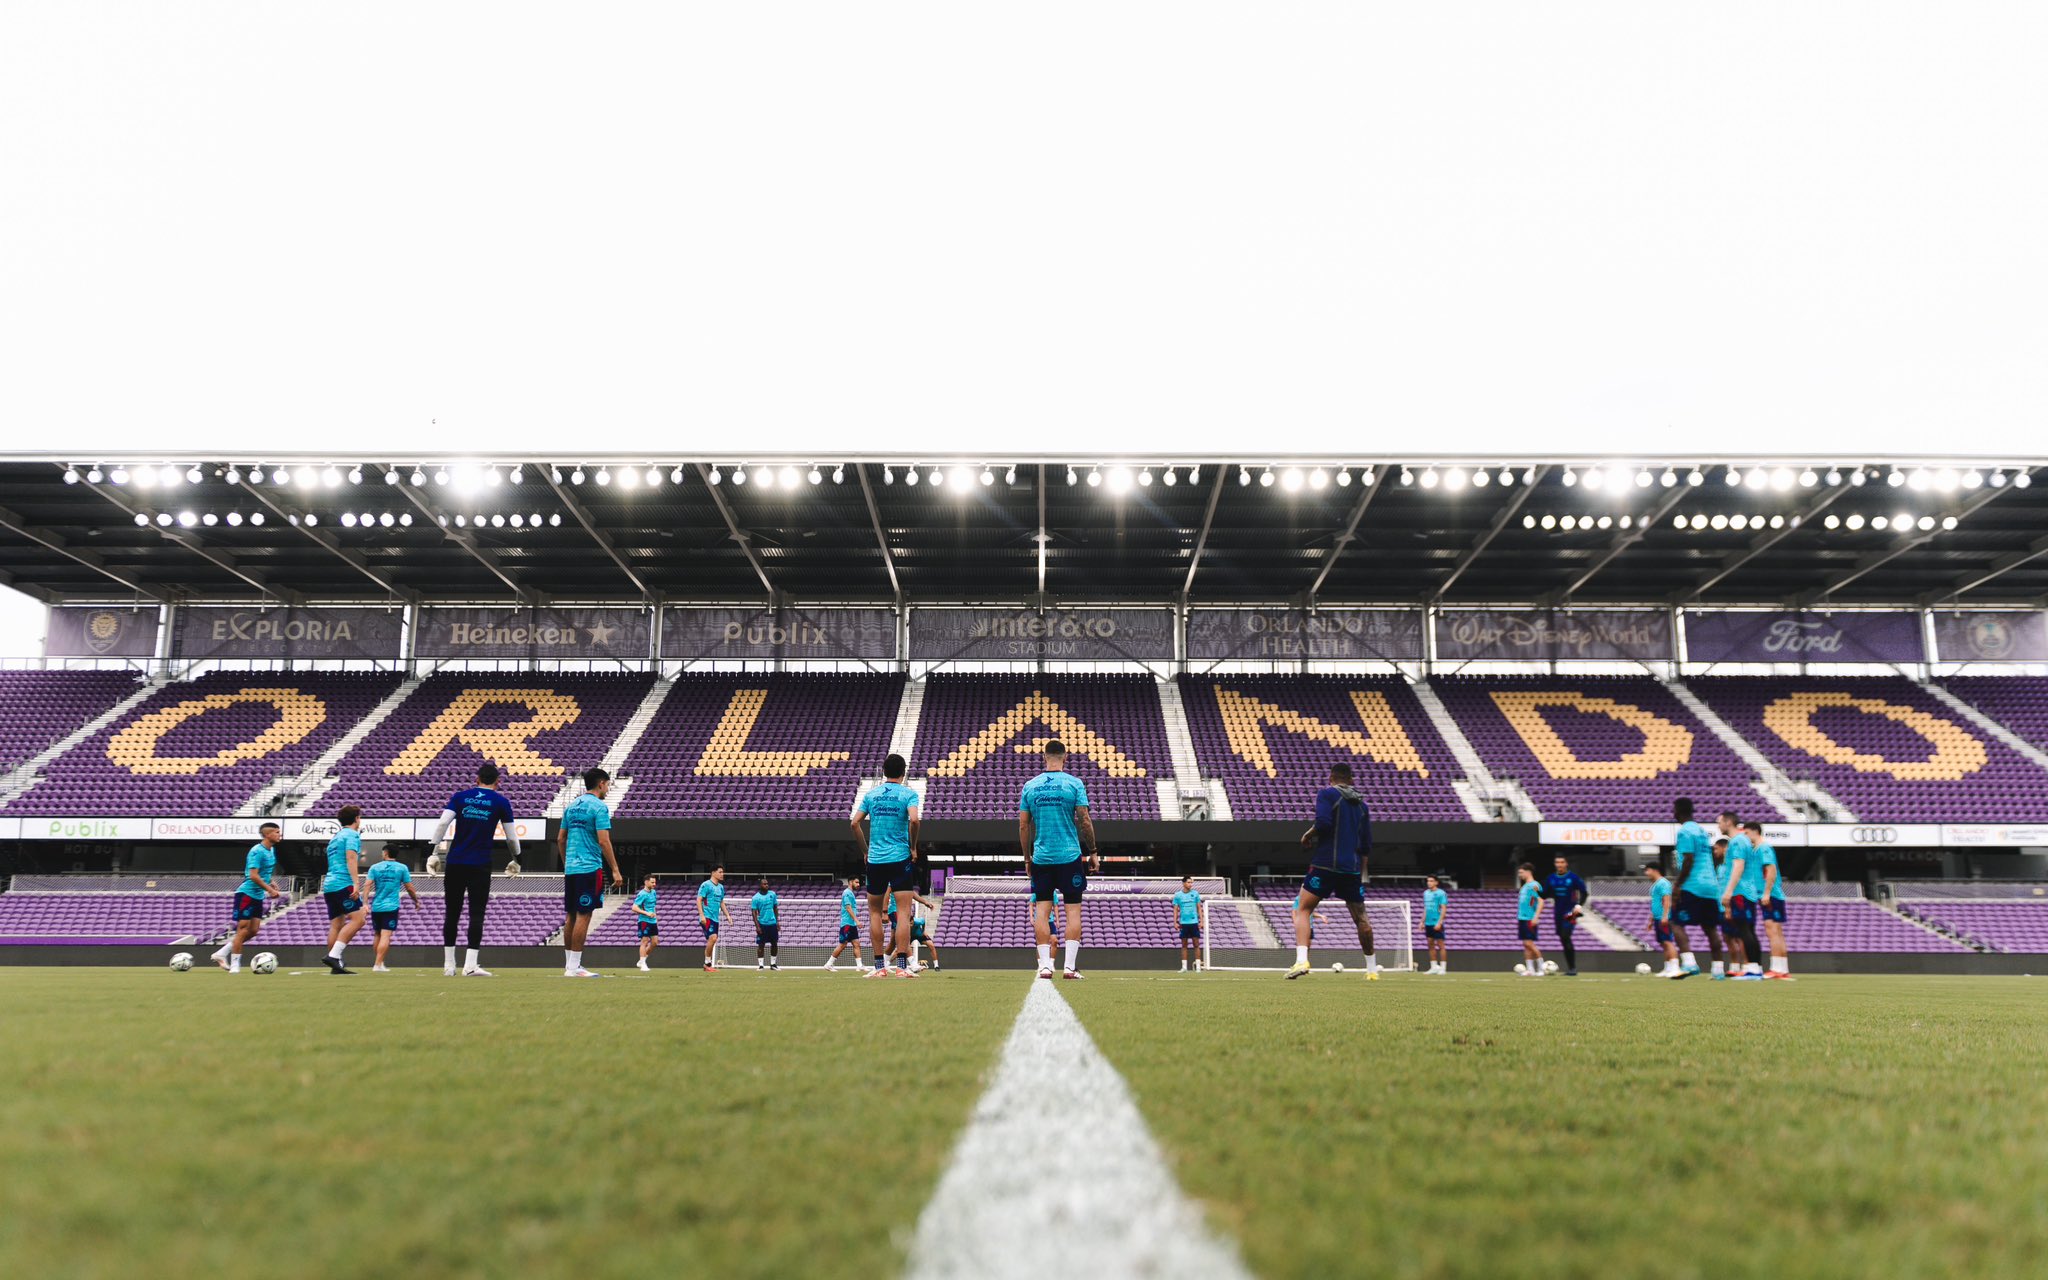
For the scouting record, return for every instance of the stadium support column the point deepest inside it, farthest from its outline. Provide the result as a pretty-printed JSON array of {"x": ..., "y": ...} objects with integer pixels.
[
  {"x": 1677, "y": 640},
  {"x": 166, "y": 637},
  {"x": 412, "y": 637},
  {"x": 654, "y": 634},
  {"x": 1429, "y": 641},
  {"x": 1927, "y": 650}
]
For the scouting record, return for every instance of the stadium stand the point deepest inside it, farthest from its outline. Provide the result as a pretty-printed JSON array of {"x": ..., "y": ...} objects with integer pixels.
[
  {"x": 1271, "y": 739},
  {"x": 2004, "y": 917},
  {"x": 541, "y": 728},
  {"x": 1477, "y": 919},
  {"x": 1598, "y": 748},
  {"x": 976, "y": 920},
  {"x": 1818, "y": 918},
  {"x": 809, "y": 915},
  {"x": 41, "y": 708},
  {"x": 978, "y": 741},
  {"x": 1884, "y": 747},
  {"x": 203, "y": 747},
  {"x": 782, "y": 746},
  {"x": 2019, "y": 703},
  {"x": 523, "y": 917}
]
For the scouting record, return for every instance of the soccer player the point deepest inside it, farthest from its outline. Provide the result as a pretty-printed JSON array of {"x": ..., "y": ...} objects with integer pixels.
[
  {"x": 342, "y": 887},
  {"x": 1055, "y": 832},
  {"x": 1568, "y": 894},
  {"x": 476, "y": 815},
  {"x": 1526, "y": 904},
  {"x": 1741, "y": 886},
  {"x": 584, "y": 843},
  {"x": 384, "y": 881},
  {"x": 711, "y": 914},
  {"x": 1341, "y": 840},
  {"x": 886, "y": 827},
  {"x": 1699, "y": 889},
  {"x": 1660, "y": 920},
  {"x": 260, "y": 883},
  {"x": 849, "y": 929},
  {"x": 1187, "y": 909},
  {"x": 1435, "y": 903},
  {"x": 920, "y": 926},
  {"x": 644, "y": 903},
  {"x": 767, "y": 928},
  {"x": 1773, "y": 905}
]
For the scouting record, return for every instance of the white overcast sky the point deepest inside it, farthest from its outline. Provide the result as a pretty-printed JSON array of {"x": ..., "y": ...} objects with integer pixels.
[{"x": 1626, "y": 228}]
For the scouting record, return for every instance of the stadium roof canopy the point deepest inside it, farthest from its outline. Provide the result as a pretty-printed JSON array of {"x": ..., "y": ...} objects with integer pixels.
[{"x": 1327, "y": 530}]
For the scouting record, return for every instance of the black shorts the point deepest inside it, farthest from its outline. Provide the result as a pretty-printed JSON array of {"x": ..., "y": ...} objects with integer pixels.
[
  {"x": 1774, "y": 910},
  {"x": 1434, "y": 932},
  {"x": 1692, "y": 909},
  {"x": 848, "y": 933},
  {"x": 1741, "y": 910},
  {"x": 583, "y": 892},
  {"x": 384, "y": 921},
  {"x": 890, "y": 877},
  {"x": 765, "y": 934},
  {"x": 342, "y": 902},
  {"x": 1564, "y": 924},
  {"x": 1067, "y": 879},
  {"x": 1191, "y": 933},
  {"x": 1660, "y": 931},
  {"x": 711, "y": 928},
  {"x": 1525, "y": 930},
  {"x": 649, "y": 930},
  {"x": 248, "y": 908},
  {"x": 1345, "y": 886}
]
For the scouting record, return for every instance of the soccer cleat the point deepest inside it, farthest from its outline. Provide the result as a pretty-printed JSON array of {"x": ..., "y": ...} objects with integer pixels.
[
  {"x": 331, "y": 963},
  {"x": 642, "y": 967},
  {"x": 933, "y": 966},
  {"x": 447, "y": 970},
  {"x": 1691, "y": 971},
  {"x": 1720, "y": 977},
  {"x": 1683, "y": 973},
  {"x": 1071, "y": 975},
  {"x": 478, "y": 972},
  {"x": 579, "y": 972},
  {"x": 876, "y": 972},
  {"x": 1298, "y": 969},
  {"x": 379, "y": 969},
  {"x": 341, "y": 970},
  {"x": 1781, "y": 977},
  {"x": 1045, "y": 971},
  {"x": 1749, "y": 977},
  {"x": 1571, "y": 973},
  {"x": 1372, "y": 975}
]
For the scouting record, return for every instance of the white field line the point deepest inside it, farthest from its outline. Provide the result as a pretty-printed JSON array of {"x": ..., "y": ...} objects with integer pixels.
[{"x": 1057, "y": 1175}]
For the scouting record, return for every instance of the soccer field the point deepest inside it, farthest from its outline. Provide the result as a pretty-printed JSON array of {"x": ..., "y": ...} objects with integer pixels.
[{"x": 796, "y": 1124}]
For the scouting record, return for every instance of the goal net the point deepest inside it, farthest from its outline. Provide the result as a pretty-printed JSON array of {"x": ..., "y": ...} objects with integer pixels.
[{"x": 1333, "y": 939}]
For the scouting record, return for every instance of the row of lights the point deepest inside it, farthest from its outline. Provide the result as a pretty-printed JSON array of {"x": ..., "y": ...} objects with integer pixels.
[
  {"x": 1569, "y": 523},
  {"x": 499, "y": 521},
  {"x": 190, "y": 519}
]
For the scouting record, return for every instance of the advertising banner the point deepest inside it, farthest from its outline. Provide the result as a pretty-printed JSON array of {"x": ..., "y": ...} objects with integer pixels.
[
  {"x": 1355, "y": 635},
  {"x": 1638, "y": 635},
  {"x": 101, "y": 631},
  {"x": 544, "y": 631},
  {"x": 1725, "y": 636},
  {"x": 1984, "y": 636},
  {"x": 1994, "y": 836},
  {"x": 1144, "y": 635},
  {"x": 789, "y": 634},
  {"x": 1874, "y": 835},
  {"x": 85, "y": 828},
  {"x": 205, "y": 631}
]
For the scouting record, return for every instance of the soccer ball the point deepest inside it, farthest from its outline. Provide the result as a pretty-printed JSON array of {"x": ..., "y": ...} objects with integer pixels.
[
  {"x": 1521, "y": 970},
  {"x": 264, "y": 962},
  {"x": 1643, "y": 969},
  {"x": 1550, "y": 966},
  {"x": 1336, "y": 966},
  {"x": 181, "y": 962}
]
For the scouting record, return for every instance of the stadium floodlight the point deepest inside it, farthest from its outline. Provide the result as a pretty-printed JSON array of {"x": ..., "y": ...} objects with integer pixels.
[
  {"x": 163, "y": 518},
  {"x": 1680, "y": 521},
  {"x": 1343, "y": 477},
  {"x": 94, "y": 475},
  {"x": 1407, "y": 476},
  {"x": 141, "y": 519},
  {"x": 278, "y": 475},
  {"x": 462, "y": 522},
  {"x": 1920, "y": 480},
  {"x": 604, "y": 476},
  {"x": 517, "y": 475},
  {"x": 442, "y": 477},
  {"x": 1925, "y": 523},
  {"x": 1946, "y": 480},
  {"x": 257, "y": 518},
  {"x": 576, "y": 476},
  {"x": 1757, "y": 478},
  {"x": 675, "y": 476},
  {"x": 1367, "y": 476},
  {"x": 1169, "y": 477},
  {"x": 988, "y": 475},
  {"x": 1644, "y": 479},
  {"x": 838, "y": 473},
  {"x": 1120, "y": 480},
  {"x": 355, "y": 475},
  {"x": 120, "y": 475},
  {"x": 71, "y": 475},
  {"x": 390, "y": 475},
  {"x": 716, "y": 476},
  {"x": 1244, "y": 476},
  {"x": 1594, "y": 479},
  {"x": 488, "y": 477},
  {"x": 1996, "y": 479},
  {"x": 1550, "y": 522},
  {"x": 939, "y": 477},
  {"x": 1095, "y": 477},
  {"x": 1528, "y": 475},
  {"x": 1291, "y": 479},
  {"x": 141, "y": 477},
  {"x": 1144, "y": 477},
  {"x": 419, "y": 477},
  {"x": 790, "y": 477},
  {"x": 889, "y": 477},
  {"x": 1430, "y": 478},
  {"x": 554, "y": 519},
  {"x": 193, "y": 475},
  {"x": 1902, "y": 523},
  {"x": 1947, "y": 523},
  {"x": 1318, "y": 478},
  {"x": 816, "y": 476},
  {"x": 1834, "y": 478},
  {"x": 1808, "y": 478},
  {"x": 629, "y": 478},
  {"x": 1266, "y": 478},
  {"x": 497, "y": 522},
  {"x": 516, "y": 520},
  {"x": 1571, "y": 478},
  {"x": 444, "y": 521},
  {"x": 1719, "y": 521},
  {"x": 348, "y": 519},
  {"x": 330, "y": 476},
  {"x": 235, "y": 518},
  {"x": 653, "y": 476},
  {"x": 2022, "y": 479},
  {"x": 405, "y": 519},
  {"x": 1454, "y": 478},
  {"x": 168, "y": 476},
  {"x": 1738, "y": 522},
  {"x": 1783, "y": 479},
  {"x": 1528, "y": 521},
  {"x": 1507, "y": 478},
  {"x": 1481, "y": 477},
  {"x": 1010, "y": 476},
  {"x": 1571, "y": 522},
  {"x": 312, "y": 518},
  {"x": 1972, "y": 479},
  {"x": 1073, "y": 477},
  {"x": 1880, "y": 522},
  {"x": 1833, "y": 521},
  {"x": 1895, "y": 477},
  {"x": 1777, "y": 522},
  {"x": 1669, "y": 479},
  {"x": 1854, "y": 522},
  {"x": 1696, "y": 477},
  {"x": 1605, "y": 522},
  {"x": 534, "y": 520},
  {"x": 1195, "y": 475},
  {"x": 911, "y": 476},
  {"x": 386, "y": 520},
  {"x": 1859, "y": 477},
  {"x": 1626, "y": 521}
]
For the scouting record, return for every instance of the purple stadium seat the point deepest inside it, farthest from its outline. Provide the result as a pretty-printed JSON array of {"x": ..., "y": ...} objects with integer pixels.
[
  {"x": 978, "y": 739},
  {"x": 40, "y": 708}
]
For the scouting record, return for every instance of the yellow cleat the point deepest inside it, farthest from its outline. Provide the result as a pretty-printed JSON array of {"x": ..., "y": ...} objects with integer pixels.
[
  {"x": 1372, "y": 975},
  {"x": 1298, "y": 969}
]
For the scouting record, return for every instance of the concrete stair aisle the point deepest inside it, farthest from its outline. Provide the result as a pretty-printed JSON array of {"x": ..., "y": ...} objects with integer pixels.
[
  {"x": 1254, "y": 920},
  {"x": 618, "y": 753},
  {"x": 1616, "y": 938},
  {"x": 1772, "y": 783},
  {"x": 29, "y": 773},
  {"x": 903, "y": 738},
  {"x": 1187, "y": 769},
  {"x": 317, "y": 779},
  {"x": 1479, "y": 786}
]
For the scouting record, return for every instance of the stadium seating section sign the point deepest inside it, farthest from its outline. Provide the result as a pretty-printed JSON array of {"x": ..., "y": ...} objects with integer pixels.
[
  {"x": 1640, "y": 635},
  {"x": 548, "y": 631},
  {"x": 779, "y": 633},
  {"x": 1736, "y": 636},
  {"x": 99, "y": 631},
  {"x": 1140, "y": 635},
  {"x": 1355, "y": 635},
  {"x": 1974, "y": 636},
  {"x": 211, "y": 632}
]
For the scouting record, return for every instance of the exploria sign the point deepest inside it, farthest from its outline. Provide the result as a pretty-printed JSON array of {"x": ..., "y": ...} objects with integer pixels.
[
  {"x": 1088, "y": 634},
  {"x": 210, "y": 632}
]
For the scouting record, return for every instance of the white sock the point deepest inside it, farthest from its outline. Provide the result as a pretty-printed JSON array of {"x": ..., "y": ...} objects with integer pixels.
[
  {"x": 1372, "y": 964},
  {"x": 1183, "y": 966},
  {"x": 1719, "y": 968},
  {"x": 1301, "y": 955},
  {"x": 1779, "y": 965},
  {"x": 1073, "y": 955},
  {"x": 572, "y": 960},
  {"x": 448, "y": 957},
  {"x": 221, "y": 954},
  {"x": 471, "y": 963},
  {"x": 334, "y": 952},
  {"x": 1045, "y": 955},
  {"x": 234, "y": 964},
  {"x": 1688, "y": 960}
]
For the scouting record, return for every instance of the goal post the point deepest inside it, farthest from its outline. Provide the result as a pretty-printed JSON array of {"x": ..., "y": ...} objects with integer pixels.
[{"x": 1334, "y": 938}]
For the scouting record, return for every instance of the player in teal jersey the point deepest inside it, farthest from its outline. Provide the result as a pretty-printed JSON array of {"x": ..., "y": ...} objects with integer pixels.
[
  {"x": 1772, "y": 904},
  {"x": 648, "y": 919},
  {"x": 260, "y": 883},
  {"x": 342, "y": 887},
  {"x": 920, "y": 930},
  {"x": 1741, "y": 886},
  {"x": 849, "y": 928},
  {"x": 1056, "y": 834},
  {"x": 1660, "y": 920},
  {"x": 1528, "y": 902},
  {"x": 886, "y": 826},
  {"x": 767, "y": 927},
  {"x": 1435, "y": 906},
  {"x": 1698, "y": 900},
  {"x": 383, "y": 882},
  {"x": 1187, "y": 914},
  {"x": 711, "y": 914},
  {"x": 584, "y": 842}
]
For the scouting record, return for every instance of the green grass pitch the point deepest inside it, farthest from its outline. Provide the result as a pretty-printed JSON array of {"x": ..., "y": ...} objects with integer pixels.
[{"x": 794, "y": 1124}]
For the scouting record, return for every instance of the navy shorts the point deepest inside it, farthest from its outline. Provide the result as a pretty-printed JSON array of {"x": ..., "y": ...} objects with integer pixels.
[
  {"x": 1564, "y": 924},
  {"x": 711, "y": 928},
  {"x": 1694, "y": 910},
  {"x": 1525, "y": 930},
  {"x": 649, "y": 930},
  {"x": 1191, "y": 933},
  {"x": 1434, "y": 932},
  {"x": 583, "y": 892},
  {"x": 1064, "y": 878},
  {"x": 890, "y": 877},
  {"x": 384, "y": 921},
  {"x": 342, "y": 902},
  {"x": 1741, "y": 910},
  {"x": 1660, "y": 931},
  {"x": 848, "y": 933},
  {"x": 1774, "y": 910},
  {"x": 767, "y": 933},
  {"x": 1346, "y": 886},
  {"x": 248, "y": 908}
]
